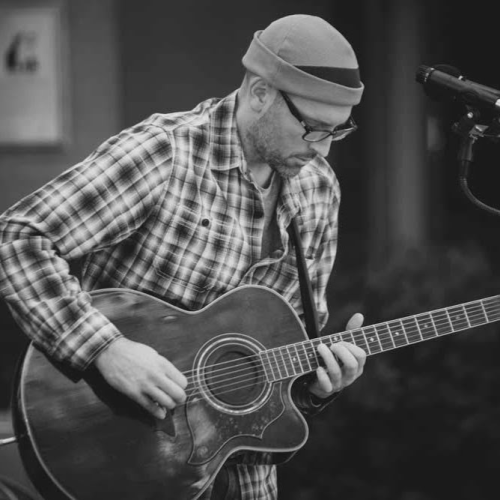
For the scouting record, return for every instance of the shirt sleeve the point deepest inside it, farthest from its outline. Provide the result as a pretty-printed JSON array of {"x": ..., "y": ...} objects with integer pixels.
[
  {"x": 325, "y": 256},
  {"x": 319, "y": 274},
  {"x": 95, "y": 204},
  {"x": 309, "y": 404}
]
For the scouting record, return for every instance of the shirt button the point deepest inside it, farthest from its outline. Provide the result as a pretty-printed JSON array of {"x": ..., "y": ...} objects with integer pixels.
[{"x": 205, "y": 222}]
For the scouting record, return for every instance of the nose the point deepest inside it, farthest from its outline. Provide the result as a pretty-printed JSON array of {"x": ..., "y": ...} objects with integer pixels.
[{"x": 321, "y": 148}]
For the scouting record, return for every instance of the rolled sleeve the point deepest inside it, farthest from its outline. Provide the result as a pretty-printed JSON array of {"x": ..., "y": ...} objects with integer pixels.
[{"x": 97, "y": 203}]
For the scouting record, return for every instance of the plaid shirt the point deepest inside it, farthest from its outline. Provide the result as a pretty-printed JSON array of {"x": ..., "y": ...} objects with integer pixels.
[{"x": 166, "y": 207}]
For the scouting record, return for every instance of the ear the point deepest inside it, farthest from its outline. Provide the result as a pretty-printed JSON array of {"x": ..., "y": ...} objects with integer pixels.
[{"x": 260, "y": 94}]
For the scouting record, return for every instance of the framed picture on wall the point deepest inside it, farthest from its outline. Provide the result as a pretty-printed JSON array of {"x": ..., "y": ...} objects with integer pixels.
[{"x": 33, "y": 87}]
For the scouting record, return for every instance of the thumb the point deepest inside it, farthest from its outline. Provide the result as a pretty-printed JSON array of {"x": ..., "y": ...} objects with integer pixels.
[{"x": 356, "y": 321}]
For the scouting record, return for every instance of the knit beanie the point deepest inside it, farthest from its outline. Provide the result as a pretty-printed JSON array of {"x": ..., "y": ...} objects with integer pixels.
[{"x": 306, "y": 56}]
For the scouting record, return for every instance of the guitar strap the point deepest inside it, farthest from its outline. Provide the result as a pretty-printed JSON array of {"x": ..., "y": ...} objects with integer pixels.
[{"x": 310, "y": 313}]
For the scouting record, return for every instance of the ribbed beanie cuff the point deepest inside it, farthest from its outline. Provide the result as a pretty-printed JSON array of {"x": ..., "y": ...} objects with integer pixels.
[{"x": 306, "y": 56}]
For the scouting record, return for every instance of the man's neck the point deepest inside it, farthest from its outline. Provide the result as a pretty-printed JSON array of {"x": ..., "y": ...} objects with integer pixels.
[{"x": 261, "y": 174}]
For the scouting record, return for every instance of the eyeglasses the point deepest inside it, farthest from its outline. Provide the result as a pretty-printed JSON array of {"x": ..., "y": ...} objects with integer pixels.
[{"x": 317, "y": 135}]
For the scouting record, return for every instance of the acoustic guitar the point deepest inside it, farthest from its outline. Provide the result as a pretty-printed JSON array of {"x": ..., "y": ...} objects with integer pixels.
[{"x": 80, "y": 439}]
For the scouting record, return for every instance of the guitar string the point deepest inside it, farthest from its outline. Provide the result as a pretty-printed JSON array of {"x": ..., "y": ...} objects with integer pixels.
[
  {"x": 247, "y": 371},
  {"x": 360, "y": 333},
  {"x": 262, "y": 379},
  {"x": 412, "y": 337}
]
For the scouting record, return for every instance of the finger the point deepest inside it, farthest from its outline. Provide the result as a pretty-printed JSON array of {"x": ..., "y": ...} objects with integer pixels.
[
  {"x": 163, "y": 399},
  {"x": 173, "y": 373},
  {"x": 152, "y": 407},
  {"x": 333, "y": 368},
  {"x": 324, "y": 382},
  {"x": 351, "y": 366},
  {"x": 356, "y": 321},
  {"x": 174, "y": 391},
  {"x": 356, "y": 351}
]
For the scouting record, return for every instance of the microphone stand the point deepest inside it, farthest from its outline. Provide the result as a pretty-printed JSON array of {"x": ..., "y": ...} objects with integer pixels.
[{"x": 470, "y": 131}]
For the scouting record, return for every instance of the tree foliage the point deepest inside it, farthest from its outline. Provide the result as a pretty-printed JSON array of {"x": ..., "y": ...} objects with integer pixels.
[{"x": 423, "y": 422}]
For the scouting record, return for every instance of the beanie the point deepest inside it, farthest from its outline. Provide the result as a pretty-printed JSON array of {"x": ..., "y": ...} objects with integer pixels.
[{"x": 306, "y": 56}]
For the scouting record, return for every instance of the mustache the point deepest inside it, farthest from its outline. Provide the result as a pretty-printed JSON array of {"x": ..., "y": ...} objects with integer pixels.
[{"x": 308, "y": 157}]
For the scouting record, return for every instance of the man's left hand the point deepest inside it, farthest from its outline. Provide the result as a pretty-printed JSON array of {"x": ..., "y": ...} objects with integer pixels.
[{"x": 344, "y": 363}]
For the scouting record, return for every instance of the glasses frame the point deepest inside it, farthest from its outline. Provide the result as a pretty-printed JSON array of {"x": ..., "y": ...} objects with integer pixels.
[{"x": 338, "y": 133}]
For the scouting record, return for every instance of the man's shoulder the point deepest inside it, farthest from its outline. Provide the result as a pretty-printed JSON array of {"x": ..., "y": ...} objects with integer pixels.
[
  {"x": 200, "y": 117},
  {"x": 320, "y": 174}
]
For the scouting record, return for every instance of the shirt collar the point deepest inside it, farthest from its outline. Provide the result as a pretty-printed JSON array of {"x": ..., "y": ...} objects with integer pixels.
[{"x": 226, "y": 151}]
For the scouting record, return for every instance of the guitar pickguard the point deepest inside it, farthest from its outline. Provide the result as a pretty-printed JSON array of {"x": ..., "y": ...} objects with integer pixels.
[{"x": 211, "y": 430}]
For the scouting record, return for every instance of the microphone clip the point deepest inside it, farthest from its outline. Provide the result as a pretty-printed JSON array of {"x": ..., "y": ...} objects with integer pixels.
[{"x": 468, "y": 127}]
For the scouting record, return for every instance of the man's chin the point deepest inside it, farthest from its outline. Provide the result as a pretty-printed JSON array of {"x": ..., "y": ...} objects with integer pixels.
[
  {"x": 291, "y": 166},
  {"x": 288, "y": 171},
  {"x": 295, "y": 164}
]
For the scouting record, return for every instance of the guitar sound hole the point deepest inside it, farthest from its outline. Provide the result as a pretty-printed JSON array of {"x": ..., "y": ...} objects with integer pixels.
[{"x": 234, "y": 375}]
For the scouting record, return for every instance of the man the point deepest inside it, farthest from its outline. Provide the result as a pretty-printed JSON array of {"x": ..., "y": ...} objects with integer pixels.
[{"x": 188, "y": 206}]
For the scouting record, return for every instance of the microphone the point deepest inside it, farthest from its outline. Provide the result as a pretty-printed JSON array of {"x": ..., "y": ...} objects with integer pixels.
[{"x": 446, "y": 82}]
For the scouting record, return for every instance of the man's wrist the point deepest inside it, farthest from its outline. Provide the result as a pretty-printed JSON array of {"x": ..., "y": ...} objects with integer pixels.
[{"x": 308, "y": 402}]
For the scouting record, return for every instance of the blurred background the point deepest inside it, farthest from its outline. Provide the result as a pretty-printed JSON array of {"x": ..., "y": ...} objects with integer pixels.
[{"x": 423, "y": 422}]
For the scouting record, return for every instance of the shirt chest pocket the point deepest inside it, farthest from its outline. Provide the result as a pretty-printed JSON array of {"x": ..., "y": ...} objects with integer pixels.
[{"x": 199, "y": 253}]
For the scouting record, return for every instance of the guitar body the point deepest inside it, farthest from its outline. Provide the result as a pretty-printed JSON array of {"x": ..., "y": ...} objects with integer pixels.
[{"x": 80, "y": 439}]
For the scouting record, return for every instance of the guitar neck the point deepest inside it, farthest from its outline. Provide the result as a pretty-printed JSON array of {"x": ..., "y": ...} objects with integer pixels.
[{"x": 289, "y": 361}]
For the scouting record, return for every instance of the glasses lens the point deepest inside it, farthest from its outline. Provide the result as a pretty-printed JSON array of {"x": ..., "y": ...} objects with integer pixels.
[
  {"x": 336, "y": 135},
  {"x": 317, "y": 135}
]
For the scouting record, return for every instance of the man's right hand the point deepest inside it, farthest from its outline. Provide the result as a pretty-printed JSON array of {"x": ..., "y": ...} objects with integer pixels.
[{"x": 139, "y": 372}]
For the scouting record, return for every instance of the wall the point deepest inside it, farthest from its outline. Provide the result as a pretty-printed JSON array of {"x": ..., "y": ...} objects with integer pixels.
[
  {"x": 94, "y": 112},
  {"x": 176, "y": 54},
  {"x": 94, "y": 101}
]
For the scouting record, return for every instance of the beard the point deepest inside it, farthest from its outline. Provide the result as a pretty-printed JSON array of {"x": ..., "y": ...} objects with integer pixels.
[{"x": 262, "y": 139}]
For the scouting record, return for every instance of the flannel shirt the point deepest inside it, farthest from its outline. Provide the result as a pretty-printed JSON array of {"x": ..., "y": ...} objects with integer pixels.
[{"x": 166, "y": 207}]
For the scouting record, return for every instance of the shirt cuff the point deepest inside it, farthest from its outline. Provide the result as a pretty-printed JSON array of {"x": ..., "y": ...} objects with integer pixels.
[
  {"x": 79, "y": 346},
  {"x": 308, "y": 403}
]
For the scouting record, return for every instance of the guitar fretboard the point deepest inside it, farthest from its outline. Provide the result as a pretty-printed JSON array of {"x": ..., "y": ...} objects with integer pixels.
[{"x": 298, "y": 359}]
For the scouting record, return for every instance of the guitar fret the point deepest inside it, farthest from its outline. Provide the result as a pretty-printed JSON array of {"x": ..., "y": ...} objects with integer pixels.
[
  {"x": 373, "y": 340},
  {"x": 284, "y": 362},
  {"x": 458, "y": 318},
  {"x": 293, "y": 360},
  {"x": 434, "y": 324},
  {"x": 466, "y": 316},
  {"x": 317, "y": 360},
  {"x": 475, "y": 314},
  {"x": 351, "y": 337},
  {"x": 426, "y": 325},
  {"x": 346, "y": 336},
  {"x": 449, "y": 319},
  {"x": 398, "y": 333},
  {"x": 337, "y": 337},
  {"x": 384, "y": 334},
  {"x": 442, "y": 321},
  {"x": 298, "y": 361},
  {"x": 267, "y": 366},
  {"x": 411, "y": 329},
  {"x": 278, "y": 369},
  {"x": 271, "y": 367},
  {"x": 359, "y": 339},
  {"x": 492, "y": 307},
  {"x": 306, "y": 357},
  {"x": 484, "y": 309},
  {"x": 274, "y": 366}
]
